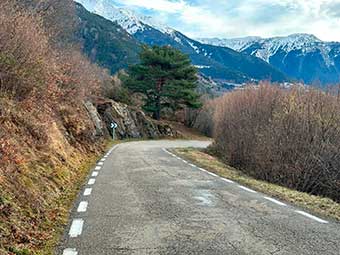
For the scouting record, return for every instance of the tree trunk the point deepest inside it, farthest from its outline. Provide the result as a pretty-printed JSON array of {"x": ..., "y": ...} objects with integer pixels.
[
  {"x": 157, "y": 112},
  {"x": 159, "y": 86}
]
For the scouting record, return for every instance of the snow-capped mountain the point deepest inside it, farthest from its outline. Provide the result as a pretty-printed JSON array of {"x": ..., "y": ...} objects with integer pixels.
[
  {"x": 220, "y": 63},
  {"x": 127, "y": 19},
  {"x": 236, "y": 43},
  {"x": 302, "y": 56}
]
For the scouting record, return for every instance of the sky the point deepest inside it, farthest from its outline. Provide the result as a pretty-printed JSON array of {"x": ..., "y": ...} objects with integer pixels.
[{"x": 239, "y": 18}]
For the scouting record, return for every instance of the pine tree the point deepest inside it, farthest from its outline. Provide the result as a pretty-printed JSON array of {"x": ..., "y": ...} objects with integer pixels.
[{"x": 166, "y": 77}]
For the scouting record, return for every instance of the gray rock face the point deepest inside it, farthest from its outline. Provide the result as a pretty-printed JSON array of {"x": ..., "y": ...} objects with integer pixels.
[
  {"x": 95, "y": 117},
  {"x": 132, "y": 123}
]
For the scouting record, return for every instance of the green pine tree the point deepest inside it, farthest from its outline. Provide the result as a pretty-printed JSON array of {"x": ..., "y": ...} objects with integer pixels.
[{"x": 166, "y": 77}]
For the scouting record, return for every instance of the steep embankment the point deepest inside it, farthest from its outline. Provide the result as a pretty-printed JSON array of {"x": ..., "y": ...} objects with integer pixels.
[{"x": 44, "y": 157}]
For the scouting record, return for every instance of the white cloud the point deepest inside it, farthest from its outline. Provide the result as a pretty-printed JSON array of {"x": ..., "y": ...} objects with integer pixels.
[
  {"x": 236, "y": 18},
  {"x": 159, "y": 5}
]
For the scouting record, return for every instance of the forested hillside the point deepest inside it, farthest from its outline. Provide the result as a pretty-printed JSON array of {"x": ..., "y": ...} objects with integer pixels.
[{"x": 105, "y": 42}]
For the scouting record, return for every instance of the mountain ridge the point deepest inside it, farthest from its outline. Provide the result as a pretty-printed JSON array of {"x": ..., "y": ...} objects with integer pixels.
[
  {"x": 217, "y": 62},
  {"x": 302, "y": 56}
]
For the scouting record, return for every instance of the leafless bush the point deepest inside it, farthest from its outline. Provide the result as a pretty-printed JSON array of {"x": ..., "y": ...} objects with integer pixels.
[
  {"x": 80, "y": 78},
  {"x": 289, "y": 137},
  {"x": 32, "y": 65},
  {"x": 115, "y": 90},
  {"x": 204, "y": 121},
  {"x": 25, "y": 55}
]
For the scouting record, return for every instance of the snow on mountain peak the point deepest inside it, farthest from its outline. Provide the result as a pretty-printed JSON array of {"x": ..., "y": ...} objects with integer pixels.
[
  {"x": 127, "y": 19},
  {"x": 270, "y": 46},
  {"x": 236, "y": 43}
]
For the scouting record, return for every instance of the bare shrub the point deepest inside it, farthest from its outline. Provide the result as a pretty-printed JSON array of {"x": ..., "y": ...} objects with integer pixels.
[
  {"x": 80, "y": 78},
  {"x": 204, "y": 121},
  {"x": 25, "y": 55},
  {"x": 115, "y": 90},
  {"x": 31, "y": 64},
  {"x": 289, "y": 137}
]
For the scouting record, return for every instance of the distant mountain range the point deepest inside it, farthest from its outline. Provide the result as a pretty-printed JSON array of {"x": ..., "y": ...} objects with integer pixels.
[
  {"x": 301, "y": 56},
  {"x": 112, "y": 37},
  {"x": 220, "y": 63}
]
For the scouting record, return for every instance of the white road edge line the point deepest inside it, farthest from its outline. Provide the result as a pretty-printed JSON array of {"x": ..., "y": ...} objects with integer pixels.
[
  {"x": 311, "y": 216},
  {"x": 94, "y": 174},
  {"x": 102, "y": 160},
  {"x": 82, "y": 206},
  {"x": 227, "y": 180},
  {"x": 98, "y": 168},
  {"x": 247, "y": 189},
  {"x": 91, "y": 181},
  {"x": 208, "y": 172},
  {"x": 202, "y": 169},
  {"x": 275, "y": 201},
  {"x": 70, "y": 251},
  {"x": 87, "y": 191},
  {"x": 212, "y": 174},
  {"x": 170, "y": 153},
  {"x": 76, "y": 227},
  {"x": 100, "y": 163}
]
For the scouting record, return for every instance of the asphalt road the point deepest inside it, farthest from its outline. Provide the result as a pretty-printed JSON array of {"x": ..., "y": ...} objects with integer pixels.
[{"x": 143, "y": 200}]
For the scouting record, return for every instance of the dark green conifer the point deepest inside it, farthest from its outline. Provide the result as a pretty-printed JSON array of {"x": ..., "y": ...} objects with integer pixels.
[{"x": 166, "y": 77}]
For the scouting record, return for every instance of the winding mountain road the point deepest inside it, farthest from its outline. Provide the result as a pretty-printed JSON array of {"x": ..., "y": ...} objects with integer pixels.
[{"x": 141, "y": 199}]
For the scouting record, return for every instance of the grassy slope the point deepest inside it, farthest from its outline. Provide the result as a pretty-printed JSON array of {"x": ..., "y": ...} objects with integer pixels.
[
  {"x": 37, "y": 231},
  {"x": 316, "y": 204},
  {"x": 42, "y": 166}
]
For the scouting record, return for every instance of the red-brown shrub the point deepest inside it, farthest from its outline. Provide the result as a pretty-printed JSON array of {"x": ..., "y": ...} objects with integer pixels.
[{"x": 289, "y": 137}]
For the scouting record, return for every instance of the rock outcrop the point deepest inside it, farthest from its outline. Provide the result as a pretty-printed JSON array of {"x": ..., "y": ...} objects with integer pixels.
[{"x": 132, "y": 122}]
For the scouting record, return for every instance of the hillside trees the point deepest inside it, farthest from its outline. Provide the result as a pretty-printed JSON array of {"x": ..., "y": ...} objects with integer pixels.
[{"x": 167, "y": 79}]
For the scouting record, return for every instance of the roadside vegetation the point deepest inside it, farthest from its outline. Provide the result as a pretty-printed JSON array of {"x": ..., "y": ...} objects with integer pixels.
[
  {"x": 289, "y": 137},
  {"x": 47, "y": 139}
]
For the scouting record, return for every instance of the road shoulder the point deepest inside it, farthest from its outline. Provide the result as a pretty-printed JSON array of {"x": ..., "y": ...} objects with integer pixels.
[{"x": 320, "y": 206}]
